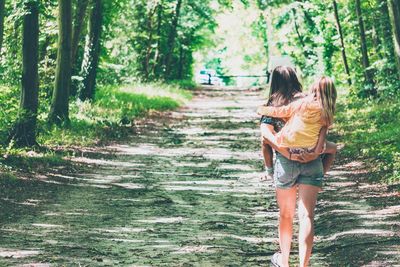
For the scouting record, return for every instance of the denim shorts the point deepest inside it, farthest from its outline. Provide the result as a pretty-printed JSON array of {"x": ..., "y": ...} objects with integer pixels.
[{"x": 288, "y": 173}]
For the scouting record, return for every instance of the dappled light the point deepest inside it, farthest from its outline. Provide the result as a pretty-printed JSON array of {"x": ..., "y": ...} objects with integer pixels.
[
  {"x": 131, "y": 132},
  {"x": 153, "y": 200}
]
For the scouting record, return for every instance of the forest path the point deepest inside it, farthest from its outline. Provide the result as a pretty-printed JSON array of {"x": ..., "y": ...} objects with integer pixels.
[{"x": 185, "y": 191}]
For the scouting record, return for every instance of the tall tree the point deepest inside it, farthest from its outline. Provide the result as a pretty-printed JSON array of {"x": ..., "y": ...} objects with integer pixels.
[
  {"x": 368, "y": 74},
  {"x": 157, "y": 53},
  {"x": 394, "y": 7},
  {"x": 171, "y": 38},
  {"x": 79, "y": 19},
  {"x": 2, "y": 14},
  {"x": 24, "y": 133},
  {"x": 342, "y": 48},
  {"x": 59, "y": 111},
  {"x": 92, "y": 52},
  {"x": 149, "y": 48}
]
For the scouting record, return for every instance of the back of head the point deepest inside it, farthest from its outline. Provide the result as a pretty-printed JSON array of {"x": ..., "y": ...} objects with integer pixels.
[
  {"x": 325, "y": 93},
  {"x": 284, "y": 86}
]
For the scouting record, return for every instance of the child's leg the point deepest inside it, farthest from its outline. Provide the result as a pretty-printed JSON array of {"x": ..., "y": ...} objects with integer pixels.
[
  {"x": 266, "y": 150},
  {"x": 267, "y": 153},
  {"x": 329, "y": 155}
]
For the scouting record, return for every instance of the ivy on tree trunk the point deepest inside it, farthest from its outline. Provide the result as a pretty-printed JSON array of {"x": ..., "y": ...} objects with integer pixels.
[{"x": 92, "y": 53}]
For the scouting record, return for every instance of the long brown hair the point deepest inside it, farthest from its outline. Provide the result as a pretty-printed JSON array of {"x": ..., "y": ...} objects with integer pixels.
[
  {"x": 284, "y": 86},
  {"x": 324, "y": 92}
]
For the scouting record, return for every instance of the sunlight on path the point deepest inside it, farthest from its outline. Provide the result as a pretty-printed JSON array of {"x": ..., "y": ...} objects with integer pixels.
[{"x": 185, "y": 192}]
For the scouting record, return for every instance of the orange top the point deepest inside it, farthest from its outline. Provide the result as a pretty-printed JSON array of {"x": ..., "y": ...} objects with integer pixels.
[{"x": 304, "y": 124}]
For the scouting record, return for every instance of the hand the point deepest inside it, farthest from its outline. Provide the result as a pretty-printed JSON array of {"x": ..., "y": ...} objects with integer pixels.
[
  {"x": 306, "y": 157},
  {"x": 298, "y": 157}
]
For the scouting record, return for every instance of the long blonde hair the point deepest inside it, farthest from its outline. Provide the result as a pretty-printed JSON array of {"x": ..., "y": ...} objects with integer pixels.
[{"x": 325, "y": 93}]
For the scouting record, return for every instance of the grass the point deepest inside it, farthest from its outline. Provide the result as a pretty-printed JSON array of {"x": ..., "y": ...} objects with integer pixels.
[
  {"x": 109, "y": 117},
  {"x": 370, "y": 131}
]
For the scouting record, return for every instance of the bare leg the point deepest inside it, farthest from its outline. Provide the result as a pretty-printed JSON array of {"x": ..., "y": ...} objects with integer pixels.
[
  {"x": 307, "y": 201},
  {"x": 329, "y": 155},
  {"x": 286, "y": 199},
  {"x": 267, "y": 130},
  {"x": 267, "y": 153}
]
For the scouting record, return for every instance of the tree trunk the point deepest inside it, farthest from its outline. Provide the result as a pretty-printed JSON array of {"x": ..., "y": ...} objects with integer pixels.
[
  {"x": 368, "y": 74},
  {"x": 343, "y": 48},
  {"x": 171, "y": 38},
  {"x": 24, "y": 133},
  {"x": 59, "y": 107},
  {"x": 296, "y": 27},
  {"x": 92, "y": 52},
  {"x": 181, "y": 62},
  {"x": 2, "y": 14},
  {"x": 77, "y": 29},
  {"x": 157, "y": 61},
  {"x": 149, "y": 43},
  {"x": 394, "y": 7}
]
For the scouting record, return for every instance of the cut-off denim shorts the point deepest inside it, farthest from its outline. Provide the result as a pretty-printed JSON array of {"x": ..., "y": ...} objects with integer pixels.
[{"x": 288, "y": 173}]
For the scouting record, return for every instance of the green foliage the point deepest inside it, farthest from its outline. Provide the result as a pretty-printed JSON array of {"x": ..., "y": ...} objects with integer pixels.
[
  {"x": 371, "y": 133},
  {"x": 114, "y": 109},
  {"x": 9, "y": 99},
  {"x": 93, "y": 122}
]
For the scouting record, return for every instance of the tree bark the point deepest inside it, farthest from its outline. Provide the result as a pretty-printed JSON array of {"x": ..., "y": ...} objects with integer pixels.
[
  {"x": 157, "y": 61},
  {"x": 92, "y": 52},
  {"x": 368, "y": 74},
  {"x": 149, "y": 42},
  {"x": 24, "y": 133},
  {"x": 394, "y": 8},
  {"x": 343, "y": 48},
  {"x": 77, "y": 28},
  {"x": 181, "y": 62},
  {"x": 2, "y": 14},
  {"x": 171, "y": 39},
  {"x": 59, "y": 112},
  {"x": 296, "y": 27}
]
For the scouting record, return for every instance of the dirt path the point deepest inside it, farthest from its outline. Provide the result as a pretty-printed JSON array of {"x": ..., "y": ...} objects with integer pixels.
[{"x": 185, "y": 191}]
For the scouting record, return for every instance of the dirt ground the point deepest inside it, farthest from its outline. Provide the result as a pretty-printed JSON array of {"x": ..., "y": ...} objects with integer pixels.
[{"x": 185, "y": 190}]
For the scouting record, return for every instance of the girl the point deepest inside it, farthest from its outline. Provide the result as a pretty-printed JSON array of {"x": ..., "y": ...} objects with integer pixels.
[
  {"x": 285, "y": 88},
  {"x": 294, "y": 181},
  {"x": 309, "y": 119}
]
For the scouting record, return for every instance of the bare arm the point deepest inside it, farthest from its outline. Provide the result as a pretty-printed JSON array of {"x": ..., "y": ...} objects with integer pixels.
[
  {"x": 268, "y": 134},
  {"x": 278, "y": 112}
]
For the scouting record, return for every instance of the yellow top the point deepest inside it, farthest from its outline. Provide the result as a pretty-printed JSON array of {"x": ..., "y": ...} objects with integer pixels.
[{"x": 304, "y": 124}]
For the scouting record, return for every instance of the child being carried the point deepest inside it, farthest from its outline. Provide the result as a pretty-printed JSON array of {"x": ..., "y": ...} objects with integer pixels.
[{"x": 309, "y": 119}]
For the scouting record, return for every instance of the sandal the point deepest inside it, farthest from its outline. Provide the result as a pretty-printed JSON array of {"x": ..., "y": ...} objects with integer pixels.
[{"x": 275, "y": 259}]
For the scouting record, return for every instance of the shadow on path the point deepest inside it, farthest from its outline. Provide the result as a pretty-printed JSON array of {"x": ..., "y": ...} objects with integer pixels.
[{"x": 185, "y": 191}]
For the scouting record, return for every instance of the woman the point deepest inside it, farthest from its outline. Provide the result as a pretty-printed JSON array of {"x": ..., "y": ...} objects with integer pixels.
[{"x": 291, "y": 177}]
